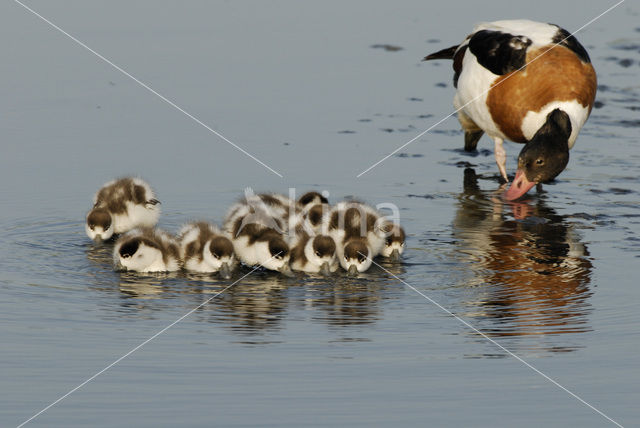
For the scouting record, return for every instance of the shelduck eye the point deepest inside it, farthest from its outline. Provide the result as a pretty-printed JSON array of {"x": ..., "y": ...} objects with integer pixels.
[
  {"x": 540, "y": 161},
  {"x": 318, "y": 254},
  {"x": 361, "y": 259},
  {"x": 278, "y": 256},
  {"x": 215, "y": 255},
  {"x": 346, "y": 257}
]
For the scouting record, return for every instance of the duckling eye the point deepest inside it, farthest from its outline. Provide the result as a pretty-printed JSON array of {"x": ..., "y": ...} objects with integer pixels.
[
  {"x": 346, "y": 257},
  {"x": 92, "y": 226},
  {"x": 361, "y": 259},
  {"x": 318, "y": 254},
  {"x": 278, "y": 256},
  {"x": 216, "y": 255},
  {"x": 540, "y": 161}
]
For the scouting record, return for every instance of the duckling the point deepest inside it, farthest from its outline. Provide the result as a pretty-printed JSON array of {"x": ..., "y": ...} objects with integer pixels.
[
  {"x": 257, "y": 236},
  {"x": 355, "y": 256},
  {"x": 147, "y": 250},
  {"x": 351, "y": 219},
  {"x": 121, "y": 205},
  {"x": 204, "y": 248},
  {"x": 394, "y": 242},
  {"x": 357, "y": 231},
  {"x": 314, "y": 254}
]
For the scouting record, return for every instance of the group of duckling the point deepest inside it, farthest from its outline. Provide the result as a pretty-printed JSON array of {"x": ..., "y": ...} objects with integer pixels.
[{"x": 268, "y": 230}]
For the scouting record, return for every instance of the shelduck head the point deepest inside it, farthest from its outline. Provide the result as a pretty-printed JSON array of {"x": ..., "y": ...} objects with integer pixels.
[{"x": 544, "y": 157}]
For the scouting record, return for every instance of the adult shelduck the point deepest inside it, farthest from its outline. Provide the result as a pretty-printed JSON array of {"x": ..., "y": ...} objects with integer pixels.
[{"x": 524, "y": 81}]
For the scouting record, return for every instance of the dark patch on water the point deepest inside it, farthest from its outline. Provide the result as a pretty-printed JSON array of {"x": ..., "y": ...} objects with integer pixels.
[
  {"x": 464, "y": 164},
  {"x": 415, "y": 99},
  {"x": 410, "y": 195},
  {"x": 446, "y": 131},
  {"x": 433, "y": 41},
  {"x": 441, "y": 85},
  {"x": 388, "y": 130},
  {"x": 424, "y": 116},
  {"x": 387, "y": 47},
  {"x": 473, "y": 154},
  {"x": 407, "y": 155},
  {"x": 619, "y": 191},
  {"x": 626, "y": 46},
  {"x": 364, "y": 120},
  {"x": 347, "y": 131},
  {"x": 626, "y": 62},
  {"x": 598, "y": 104},
  {"x": 286, "y": 144},
  {"x": 634, "y": 123}
]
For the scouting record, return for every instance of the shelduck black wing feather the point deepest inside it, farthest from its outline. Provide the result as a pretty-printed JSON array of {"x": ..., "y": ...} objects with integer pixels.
[
  {"x": 564, "y": 38},
  {"x": 499, "y": 52}
]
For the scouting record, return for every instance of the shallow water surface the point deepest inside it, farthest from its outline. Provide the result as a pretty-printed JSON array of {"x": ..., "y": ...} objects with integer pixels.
[{"x": 319, "y": 93}]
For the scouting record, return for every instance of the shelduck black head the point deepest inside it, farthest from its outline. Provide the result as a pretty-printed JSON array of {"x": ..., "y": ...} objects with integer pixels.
[{"x": 544, "y": 157}]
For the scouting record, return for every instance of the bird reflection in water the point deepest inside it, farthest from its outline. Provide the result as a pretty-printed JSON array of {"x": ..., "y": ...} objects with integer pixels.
[
  {"x": 347, "y": 301},
  {"x": 531, "y": 271},
  {"x": 257, "y": 304}
]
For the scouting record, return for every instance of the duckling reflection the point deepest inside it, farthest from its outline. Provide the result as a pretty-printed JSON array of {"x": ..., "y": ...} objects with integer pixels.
[
  {"x": 531, "y": 270},
  {"x": 256, "y": 304},
  {"x": 349, "y": 301},
  {"x": 138, "y": 286}
]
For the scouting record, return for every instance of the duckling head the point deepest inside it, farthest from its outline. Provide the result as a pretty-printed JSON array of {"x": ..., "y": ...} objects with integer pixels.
[
  {"x": 278, "y": 255},
  {"x": 321, "y": 251},
  {"x": 99, "y": 224},
  {"x": 357, "y": 257},
  {"x": 394, "y": 242},
  {"x": 218, "y": 253}
]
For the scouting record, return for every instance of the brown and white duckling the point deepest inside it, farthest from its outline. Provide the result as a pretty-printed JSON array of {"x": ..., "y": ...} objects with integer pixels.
[
  {"x": 314, "y": 253},
  {"x": 121, "y": 205},
  {"x": 147, "y": 250},
  {"x": 394, "y": 242},
  {"x": 349, "y": 219},
  {"x": 357, "y": 231},
  {"x": 355, "y": 256},
  {"x": 206, "y": 249},
  {"x": 257, "y": 236}
]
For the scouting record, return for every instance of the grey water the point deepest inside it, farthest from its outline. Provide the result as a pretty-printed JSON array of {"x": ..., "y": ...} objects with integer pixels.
[{"x": 318, "y": 92}]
